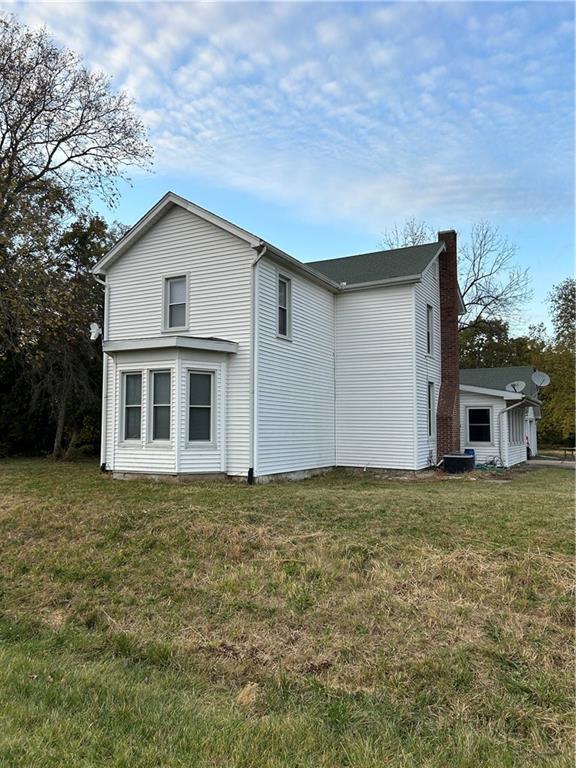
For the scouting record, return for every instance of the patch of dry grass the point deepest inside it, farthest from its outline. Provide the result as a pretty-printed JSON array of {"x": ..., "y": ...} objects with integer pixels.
[{"x": 447, "y": 603}]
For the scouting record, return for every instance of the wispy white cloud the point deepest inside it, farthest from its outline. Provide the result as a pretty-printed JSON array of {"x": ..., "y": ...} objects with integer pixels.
[{"x": 346, "y": 110}]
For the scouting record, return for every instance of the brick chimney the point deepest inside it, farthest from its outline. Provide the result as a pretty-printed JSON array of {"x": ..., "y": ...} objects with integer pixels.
[{"x": 448, "y": 413}]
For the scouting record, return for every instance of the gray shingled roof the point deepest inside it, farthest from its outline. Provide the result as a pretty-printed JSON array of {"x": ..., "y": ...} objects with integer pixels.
[
  {"x": 379, "y": 265},
  {"x": 497, "y": 378}
]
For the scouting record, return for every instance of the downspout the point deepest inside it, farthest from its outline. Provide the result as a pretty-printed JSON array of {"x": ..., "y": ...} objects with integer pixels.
[
  {"x": 104, "y": 418},
  {"x": 254, "y": 366},
  {"x": 504, "y": 436}
]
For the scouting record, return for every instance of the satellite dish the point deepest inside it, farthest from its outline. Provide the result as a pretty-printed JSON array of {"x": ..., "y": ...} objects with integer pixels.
[
  {"x": 516, "y": 386},
  {"x": 95, "y": 331},
  {"x": 540, "y": 378}
]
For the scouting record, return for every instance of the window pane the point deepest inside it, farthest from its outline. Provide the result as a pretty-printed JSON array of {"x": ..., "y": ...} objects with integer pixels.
[
  {"x": 162, "y": 388},
  {"x": 479, "y": 416},
  {"x": 161, "y": 425},
  {"x": 132, "y": 423},
  {"x": 479, "y": 433},
  {"x": 177, "y": 291},
  {"x": 430, "y": 410},
  {"x": 282, "y": 293},
  {"x": 133, "y": 386},
  {"x": 282, "y": 321},
  {"x": 177, "y": 316},
  {"x": 199, "y": 426},
  {"x": 200, "y": 389}
]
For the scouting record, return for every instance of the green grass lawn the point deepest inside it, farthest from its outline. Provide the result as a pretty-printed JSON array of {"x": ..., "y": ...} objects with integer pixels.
[{"x": 381, "y": 622}]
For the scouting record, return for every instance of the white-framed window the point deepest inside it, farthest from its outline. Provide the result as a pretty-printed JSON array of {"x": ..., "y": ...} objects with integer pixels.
[
  {"x": 429, "y": 329},
  {"x": 176, "y": 303},
  {"x": 132, "y": 405},
  {"x": 431, "y": 410},
  {"x": 200, "y": 406},
  {"x": 479, "y": 425},
  {"x": 160, "y": 399},
  {"x": 516, "y": 427},
  {"x": 284, "y": 327}
]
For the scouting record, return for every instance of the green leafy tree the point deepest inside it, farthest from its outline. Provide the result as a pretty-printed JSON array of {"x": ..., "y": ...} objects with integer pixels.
[
  {"x": 562, "y": 301},
  {"x": 64, "y": 365},
  {"x": 558, "y": 361},
  {"x": 488, "y": 344}
]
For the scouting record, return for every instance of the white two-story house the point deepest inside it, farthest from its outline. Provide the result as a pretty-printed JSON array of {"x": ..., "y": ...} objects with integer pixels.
[{"x": 225, "y": 355}]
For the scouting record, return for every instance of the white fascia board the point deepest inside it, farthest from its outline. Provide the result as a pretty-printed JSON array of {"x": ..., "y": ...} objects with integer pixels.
[
  {"x": 157, "y": 211},
  {"x": 170, "y": 342},
  {"x": 491, "y": 392},
  {"x": 504, "y": 394},
  {"x": 403, "y": 280}
]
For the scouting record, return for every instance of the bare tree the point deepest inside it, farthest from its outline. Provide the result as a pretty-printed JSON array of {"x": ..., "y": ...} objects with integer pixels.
[
  {"x": 492, "y": 285},
  {"x": 412, "y": 232},
  {"x": 60, "y": 123}
]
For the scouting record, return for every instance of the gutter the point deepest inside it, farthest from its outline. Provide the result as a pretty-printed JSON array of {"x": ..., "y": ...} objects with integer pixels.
[
  {"x": 261, "y": 250},
  {"x": 403, "y": 280},
  {"x": 104, "y": 417}
]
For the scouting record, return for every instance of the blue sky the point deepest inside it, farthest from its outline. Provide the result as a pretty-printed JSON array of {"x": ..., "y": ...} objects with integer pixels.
[{"x": 318, "y": 125}]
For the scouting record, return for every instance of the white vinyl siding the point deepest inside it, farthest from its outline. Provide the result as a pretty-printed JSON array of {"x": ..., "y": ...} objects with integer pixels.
[
  {"x": 508, "y": 454},
  {"x": 375, "y": 386},
  {"x": 143, "y": 455},
  {"x": 295, "y": 380},
  {"x": 428, "y": 367},
  {"x": 176, "y": 454},
  {"x": 219, "y": 270}
]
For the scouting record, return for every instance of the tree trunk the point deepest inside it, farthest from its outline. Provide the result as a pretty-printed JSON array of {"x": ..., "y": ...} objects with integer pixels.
[
  {"x": 57, "y": 449},
  {"x": 72, "y": 445}
]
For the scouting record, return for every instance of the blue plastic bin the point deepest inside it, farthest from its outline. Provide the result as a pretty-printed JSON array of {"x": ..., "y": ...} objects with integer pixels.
[{"x": 471, "y": 452}]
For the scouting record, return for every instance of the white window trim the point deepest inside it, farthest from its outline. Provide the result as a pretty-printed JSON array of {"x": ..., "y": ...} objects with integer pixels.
[
  {"x": 122, "y": 439},
  {"x": 213, "y": 442},
  {"x": 288, "y": 280},
  {"x": 150, "y": 440},
  {"x": 477, "y": 442},
  {"x": 430, "y": 329},
  {"x": 431, "y": 410},
  {"x": 165, "y": 306}
]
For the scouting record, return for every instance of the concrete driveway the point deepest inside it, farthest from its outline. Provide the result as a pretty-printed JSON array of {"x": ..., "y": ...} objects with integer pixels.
[{"x": 552, "y": 463}]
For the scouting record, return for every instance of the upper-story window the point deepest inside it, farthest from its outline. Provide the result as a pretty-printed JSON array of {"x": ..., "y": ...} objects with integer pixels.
[
  {"x": 175, "y": 303},
  {"x": 429, "y": 329},
  {"x": 284, "y": 306}
]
